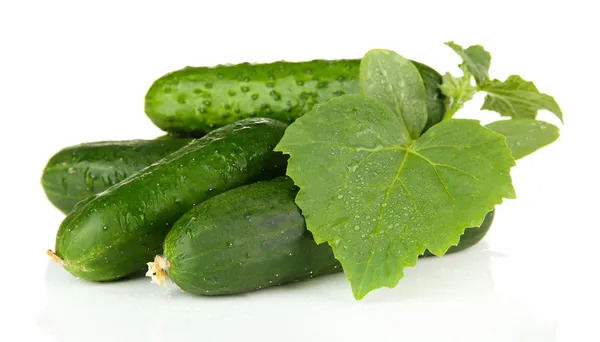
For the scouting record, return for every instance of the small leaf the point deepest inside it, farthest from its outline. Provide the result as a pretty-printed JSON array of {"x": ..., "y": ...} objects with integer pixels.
[
  {"x": 395, "y": 81},
  {"x": 517, "y": 98},
  {"x": 458, "y": 90},
  {"x": 380, "y": 199},
  {"x": 525, "y": 136},
  {"x": 475, "y": 59}
]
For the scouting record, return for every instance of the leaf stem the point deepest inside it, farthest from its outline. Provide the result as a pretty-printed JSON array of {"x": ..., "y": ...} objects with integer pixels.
[
  {"x": 463, "y": 93},
  {"x": 452, "y": 108}
]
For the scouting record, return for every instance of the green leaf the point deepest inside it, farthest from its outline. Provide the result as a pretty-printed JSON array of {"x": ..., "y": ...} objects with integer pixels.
[
  {"x": 525, "y": 136},
  {"x": 458, "y": 90},
  {"x": 395, "y": 81},
  {"x": 517, "y": 98},
  {"x": 475, "y": 59},
  {"x": 380, "y": 199}
]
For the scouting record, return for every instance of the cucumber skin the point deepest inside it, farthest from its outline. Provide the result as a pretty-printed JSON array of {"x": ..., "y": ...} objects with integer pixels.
[
  {"x": 198, "y": 99},
  {"x": 112, "y": 234},
  {"x": 254, "y": 237},
  {"x": 77, "y": 172},
  {"x": 245, "y": 239}
]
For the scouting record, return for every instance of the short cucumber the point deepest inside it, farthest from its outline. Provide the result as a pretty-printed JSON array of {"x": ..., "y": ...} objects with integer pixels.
[
  {"x": 113, "y": 234},
  {"x": 198, "y": 99},
  {"x": 77, "y": 172},
  {"x": 245, "y": 239}
]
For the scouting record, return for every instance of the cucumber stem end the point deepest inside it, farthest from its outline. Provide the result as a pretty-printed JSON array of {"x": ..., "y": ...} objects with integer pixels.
[
  {"x": 157, "y": 271},
  {"x": 56, "y": 258}
]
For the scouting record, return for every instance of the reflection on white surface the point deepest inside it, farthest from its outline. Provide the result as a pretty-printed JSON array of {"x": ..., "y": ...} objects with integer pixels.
[{"x": 451, "y": 298}]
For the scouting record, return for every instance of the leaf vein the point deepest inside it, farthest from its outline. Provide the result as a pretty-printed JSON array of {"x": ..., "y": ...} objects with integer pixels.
[{"x": 381, "y": 211}]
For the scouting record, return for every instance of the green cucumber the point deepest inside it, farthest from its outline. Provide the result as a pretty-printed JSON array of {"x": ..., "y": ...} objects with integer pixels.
[
  {"x": 245, "y": 239},
  {"x": 198, "y": 99},
  {"x": 112, "y": 234},
  {"x": 77, "y": 172}
]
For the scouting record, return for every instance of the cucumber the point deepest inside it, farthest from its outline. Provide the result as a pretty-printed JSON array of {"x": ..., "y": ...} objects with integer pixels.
[
  {"x": 197, "y": 99},
  {"x": 245, "y": 239},
  {"x": 77, "y": 172},
  {"x": 183, "y": 135},
  {"x": 112, "y": 234}
]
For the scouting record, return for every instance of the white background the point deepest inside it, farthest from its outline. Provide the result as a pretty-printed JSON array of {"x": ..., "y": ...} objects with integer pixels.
[{"x": 78, "y": 71}]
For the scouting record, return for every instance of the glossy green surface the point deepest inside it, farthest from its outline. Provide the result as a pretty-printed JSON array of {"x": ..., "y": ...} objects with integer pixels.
[
  {"x": 115, "y": 233},
  {"x": 77, "y": 172},
  {"x": 245, "y": 239},
  {"x": 198, "y": 99}
]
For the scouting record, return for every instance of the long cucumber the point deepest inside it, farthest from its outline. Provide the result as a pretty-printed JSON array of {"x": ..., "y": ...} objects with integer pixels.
[
  {"x": 113, "y": 234},
  {"x": 199, "y": 99},
  {"x": 78, "y": 172}
]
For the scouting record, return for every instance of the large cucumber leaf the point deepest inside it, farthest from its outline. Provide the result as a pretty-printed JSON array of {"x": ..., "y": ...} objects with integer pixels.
[{"x": 380, "y": 197}]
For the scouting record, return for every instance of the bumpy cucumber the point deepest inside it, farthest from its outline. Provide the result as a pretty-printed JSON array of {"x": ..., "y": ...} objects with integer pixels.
[
  {"x": 248, "y": 238},
  {"x": 197, "y": 99},
  {"x": 80, "y": 171},
  {"x": 113, "y": 234}
]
